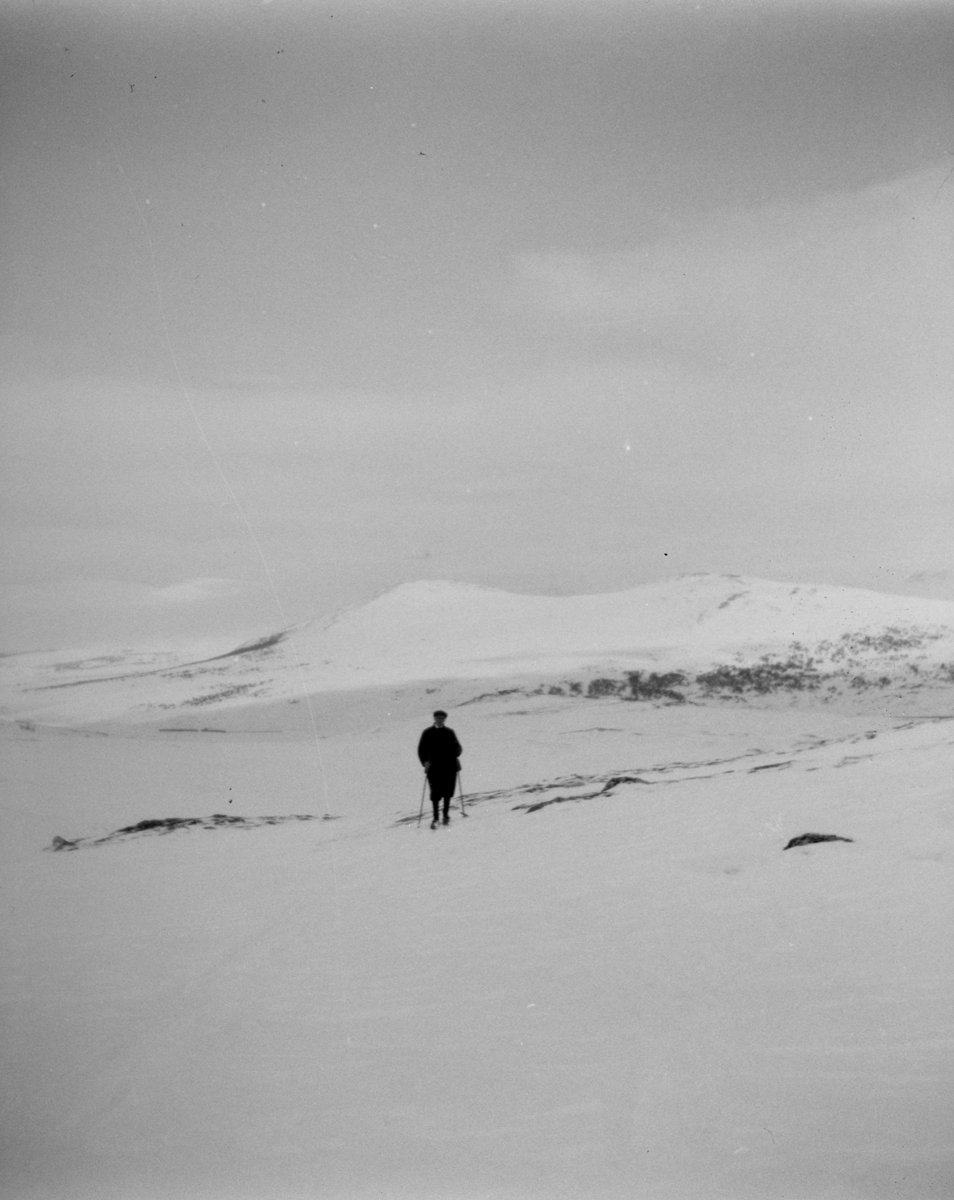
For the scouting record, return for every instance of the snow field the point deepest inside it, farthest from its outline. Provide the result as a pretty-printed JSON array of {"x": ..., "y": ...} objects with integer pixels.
[{"x": 640, "y": 994}]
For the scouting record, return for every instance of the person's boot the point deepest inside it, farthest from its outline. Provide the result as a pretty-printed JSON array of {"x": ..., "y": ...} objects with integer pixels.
[{"x": 434, "y": 823}]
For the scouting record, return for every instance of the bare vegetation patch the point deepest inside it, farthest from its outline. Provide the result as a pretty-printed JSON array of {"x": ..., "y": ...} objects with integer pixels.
[{"x": 164, "y": 825}]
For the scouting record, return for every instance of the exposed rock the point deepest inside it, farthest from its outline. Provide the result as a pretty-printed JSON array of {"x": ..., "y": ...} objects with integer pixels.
[
  {"x": 59, "y": 843},
  {"x": 807, "y": 839},
  {"x": 163, "y": 825}
]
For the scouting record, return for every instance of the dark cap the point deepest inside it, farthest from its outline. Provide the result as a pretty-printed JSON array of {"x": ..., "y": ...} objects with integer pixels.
[{"x": 440, "y": 713}]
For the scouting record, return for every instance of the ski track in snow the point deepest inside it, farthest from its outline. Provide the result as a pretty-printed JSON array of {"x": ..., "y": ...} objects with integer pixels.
[{"x": 578, "y": 788}]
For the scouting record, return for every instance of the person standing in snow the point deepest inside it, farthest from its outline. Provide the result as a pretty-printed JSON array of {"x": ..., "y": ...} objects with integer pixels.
[{"x": 438, "y": 751}]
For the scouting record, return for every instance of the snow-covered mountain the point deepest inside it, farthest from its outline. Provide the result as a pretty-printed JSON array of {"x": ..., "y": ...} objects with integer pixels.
[{"x": 443, "y": 631}]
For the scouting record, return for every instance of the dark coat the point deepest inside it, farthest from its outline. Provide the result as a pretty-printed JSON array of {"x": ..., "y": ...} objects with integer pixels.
[{"x": 440, "y": 748}]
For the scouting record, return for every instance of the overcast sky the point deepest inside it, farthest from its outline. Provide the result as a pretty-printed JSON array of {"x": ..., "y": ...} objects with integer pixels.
[{"x": 305, "y": 300}]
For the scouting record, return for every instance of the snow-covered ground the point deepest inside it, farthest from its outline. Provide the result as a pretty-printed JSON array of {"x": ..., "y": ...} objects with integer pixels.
[
  {"x": 610, "y": 980},
  {"x": 436, "y": 632}
]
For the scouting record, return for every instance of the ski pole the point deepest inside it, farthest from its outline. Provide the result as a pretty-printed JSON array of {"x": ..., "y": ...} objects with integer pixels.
[
  {"x": 423, "y": 791},
  {"x": 460, "y": 785}
]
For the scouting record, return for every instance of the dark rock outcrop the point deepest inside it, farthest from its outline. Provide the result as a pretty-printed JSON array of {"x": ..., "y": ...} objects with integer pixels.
[{"x": 808, "y": 839}]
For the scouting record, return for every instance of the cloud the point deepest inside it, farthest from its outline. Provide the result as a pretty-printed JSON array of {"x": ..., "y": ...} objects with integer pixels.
[
  {"x": 935, "y": 582},
  {"x": 756, "y": 391},
  {"x": 91, "y": 610},
  {"x": 194, "y": 591},
  {"x": 858, "y": 283},
  {"x": 930, "y": 576}
]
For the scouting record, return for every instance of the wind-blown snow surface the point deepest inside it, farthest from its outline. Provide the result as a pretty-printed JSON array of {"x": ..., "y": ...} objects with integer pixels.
[{"x": 611, "y": 980}]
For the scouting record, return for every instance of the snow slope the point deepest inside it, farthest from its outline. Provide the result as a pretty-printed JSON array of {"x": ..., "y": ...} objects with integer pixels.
[
  {"x": 439, "y": 631},
  {"x": 630, "y": 991},
  {"x": 611, "y": 980}
]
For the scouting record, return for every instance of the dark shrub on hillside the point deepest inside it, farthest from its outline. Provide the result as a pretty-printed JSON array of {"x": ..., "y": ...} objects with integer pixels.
[
  {"x": 604, "y": 687},
  {"x": 637, "y": 686},
  {"x": 655, "y": 687},
  {"x": 766, "y": 676}
]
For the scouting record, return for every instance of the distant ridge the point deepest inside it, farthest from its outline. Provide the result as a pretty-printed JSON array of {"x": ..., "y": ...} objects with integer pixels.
[
  {"x": 436, "y": 625},
  {"x": 442, "y": 630}
]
